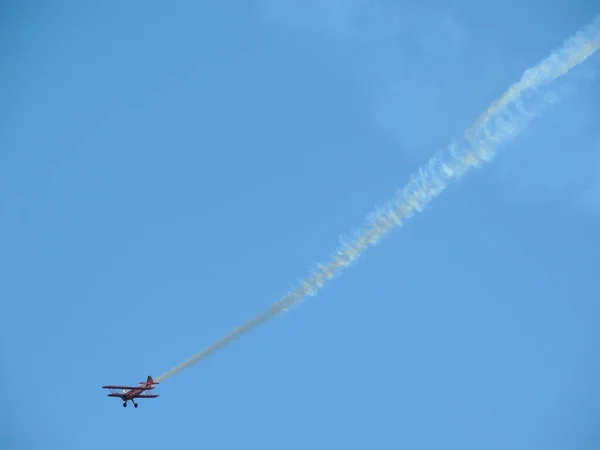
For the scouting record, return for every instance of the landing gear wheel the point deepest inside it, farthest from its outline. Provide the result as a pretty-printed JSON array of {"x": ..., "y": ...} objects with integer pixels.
[
  {"x": 135, "y": 405},
  {"x": 124, "y": 404}
]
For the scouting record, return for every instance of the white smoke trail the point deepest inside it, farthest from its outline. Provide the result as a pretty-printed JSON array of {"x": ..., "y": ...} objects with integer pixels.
[
  {"x": 573, "y": 52},
  {"x": 496, "y": 126}
]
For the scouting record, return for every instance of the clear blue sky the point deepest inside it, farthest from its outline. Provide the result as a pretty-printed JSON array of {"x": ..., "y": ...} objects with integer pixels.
[{"x": 168, "y": 170}]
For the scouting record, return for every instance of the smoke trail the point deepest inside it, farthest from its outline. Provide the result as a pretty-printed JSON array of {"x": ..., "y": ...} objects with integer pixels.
[
  {"x": 494, "y": 127},
  {"x": 574, "y": 51}
]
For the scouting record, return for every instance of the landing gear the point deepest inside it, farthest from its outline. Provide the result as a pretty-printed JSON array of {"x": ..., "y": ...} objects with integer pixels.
[{"x": 135, "y": 405}]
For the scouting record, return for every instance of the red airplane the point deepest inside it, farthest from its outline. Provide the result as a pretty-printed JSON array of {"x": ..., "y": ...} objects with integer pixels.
[{"x": 132, "y": 392}]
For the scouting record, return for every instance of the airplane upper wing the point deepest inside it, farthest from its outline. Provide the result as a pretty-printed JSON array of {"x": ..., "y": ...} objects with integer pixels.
[{"x": 142, "y": 388}]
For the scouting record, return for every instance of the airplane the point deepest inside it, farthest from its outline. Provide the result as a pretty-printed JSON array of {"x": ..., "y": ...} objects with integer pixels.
[{"x": 130, "y": 393}]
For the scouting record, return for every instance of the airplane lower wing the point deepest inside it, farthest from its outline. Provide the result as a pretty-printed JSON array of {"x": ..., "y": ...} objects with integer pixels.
[{"x": 136, "y": 396}]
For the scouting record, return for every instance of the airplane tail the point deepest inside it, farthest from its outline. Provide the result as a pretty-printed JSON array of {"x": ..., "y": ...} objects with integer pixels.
[{"x": 149, "y": 380}]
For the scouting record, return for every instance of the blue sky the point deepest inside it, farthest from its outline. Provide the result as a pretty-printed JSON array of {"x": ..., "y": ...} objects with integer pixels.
[{"x": 167, "y": 172}]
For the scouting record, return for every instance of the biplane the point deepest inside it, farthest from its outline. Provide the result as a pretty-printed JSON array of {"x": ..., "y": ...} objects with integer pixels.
[{"x": 130, "y": 393}]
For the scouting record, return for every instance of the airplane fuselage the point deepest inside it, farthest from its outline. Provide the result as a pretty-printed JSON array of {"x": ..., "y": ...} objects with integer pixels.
[{"x": 133, "y": 393}]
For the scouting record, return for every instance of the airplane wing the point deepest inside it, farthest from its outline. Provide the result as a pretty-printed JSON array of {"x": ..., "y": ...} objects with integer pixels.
[
  {"x": 137, "y": 396},
  {"x": 142, "y": 388}
]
